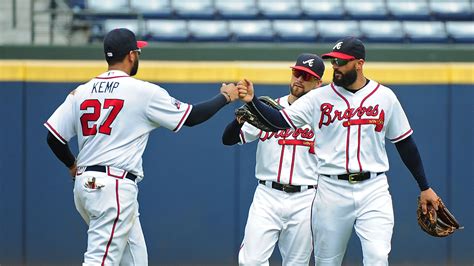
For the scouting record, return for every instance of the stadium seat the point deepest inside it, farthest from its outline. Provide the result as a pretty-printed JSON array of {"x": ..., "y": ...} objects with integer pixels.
[
  {"x": 280, "y": 9},
  {"x": 366, "y": 9},
  {"x": 100, "y": 28},
  {"x": 330, "y": 31},
  {"x": 323, "y": 9},
  {"x": 451, "y": 10},
  {"x": 77, "y": 4},
  {"x": 236, "y": 9},
  {"x": 251, "y": 30},
  {"x": 382, "y": 31},
  {"x": 194, "y": 9},
  {"x": 461, "y": 31},
  {"x": 152, "y": 8},
  {"x": 167, "y": 30},
  {"x": 208, "y": 30},
  {"x": 425, "y": 31},
  {"x": 131, "y": 24},
  {"x": 409, "y": 9},
  {"x": 108, "y": 6},
  {"x": 295, "y": 30}
]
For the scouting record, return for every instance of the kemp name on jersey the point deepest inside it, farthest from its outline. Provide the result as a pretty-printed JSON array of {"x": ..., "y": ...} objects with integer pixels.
[{"x": 104, "y": 86}]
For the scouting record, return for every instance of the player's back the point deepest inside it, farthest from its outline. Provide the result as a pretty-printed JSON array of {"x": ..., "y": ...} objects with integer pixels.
[{"x": 111, "y": 121}]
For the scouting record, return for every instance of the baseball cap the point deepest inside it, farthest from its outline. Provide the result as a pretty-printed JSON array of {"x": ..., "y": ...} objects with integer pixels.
[
  {"x": 119, "y": 42},
  {"x": 347, "y": 48},
  {"x": 310, "y": 63}
]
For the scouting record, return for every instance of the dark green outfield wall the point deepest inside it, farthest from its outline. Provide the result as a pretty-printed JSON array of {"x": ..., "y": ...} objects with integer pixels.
[{"x": 251, "y": 52}]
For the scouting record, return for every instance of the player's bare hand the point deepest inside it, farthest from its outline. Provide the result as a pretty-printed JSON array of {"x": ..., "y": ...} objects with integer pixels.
[
  {"x": 73, "y": 170},
  {"x": 428, "y": 197},
  {"x": 230, "y": 92},
  {"x": 246, "y": 91}
]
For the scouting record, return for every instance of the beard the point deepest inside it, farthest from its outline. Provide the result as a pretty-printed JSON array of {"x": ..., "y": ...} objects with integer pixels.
[
  {"x": 297, "y": 91},
  {"x": 134, "y": 69},
  {"x": 346, "y": 79}
]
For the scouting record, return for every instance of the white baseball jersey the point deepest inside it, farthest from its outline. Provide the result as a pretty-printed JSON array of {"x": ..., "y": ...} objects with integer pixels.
[
  {"x": 112, "y": 116},
  {"x": 351, "y": 127},
  {"x": 286, "y": 156}
]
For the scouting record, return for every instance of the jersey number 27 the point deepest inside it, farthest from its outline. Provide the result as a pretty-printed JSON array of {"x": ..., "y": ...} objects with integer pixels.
[{"x": 104, "y": 128}]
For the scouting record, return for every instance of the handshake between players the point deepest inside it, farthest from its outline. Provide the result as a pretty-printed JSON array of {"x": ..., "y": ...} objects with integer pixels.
[{"x": 245, "y": 89}]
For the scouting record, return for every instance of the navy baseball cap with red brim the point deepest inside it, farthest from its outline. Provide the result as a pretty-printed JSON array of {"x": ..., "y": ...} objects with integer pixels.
[
  {"x": 311, "y": 64},
  {"x": 119, "y": 42},
  {"x": 347, "y": 48}
]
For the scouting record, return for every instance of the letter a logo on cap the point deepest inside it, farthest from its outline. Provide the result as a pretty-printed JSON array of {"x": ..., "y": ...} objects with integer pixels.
[
  {"x": 337, "y": 46},
  {"x": 309, "y": 62}
]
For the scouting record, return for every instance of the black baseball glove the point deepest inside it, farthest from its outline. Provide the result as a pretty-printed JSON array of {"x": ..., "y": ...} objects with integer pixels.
[
  {"x": 438, "y": 223},
  {"x": 251, "y": 115}
]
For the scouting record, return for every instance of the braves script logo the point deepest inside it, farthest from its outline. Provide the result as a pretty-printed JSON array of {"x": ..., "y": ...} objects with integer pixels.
[
  {"x": 309, "y": 62},
  {"x": 337, "y": 46},
  {"x": 282, "y": 135},
  {"x": 328, "y": 116}
]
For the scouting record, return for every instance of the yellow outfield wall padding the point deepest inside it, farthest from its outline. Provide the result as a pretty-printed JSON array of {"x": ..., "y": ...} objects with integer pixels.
[{"x": 231, "y": 71}]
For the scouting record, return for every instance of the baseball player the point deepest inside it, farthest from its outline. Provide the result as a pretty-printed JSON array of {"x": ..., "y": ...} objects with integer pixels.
[
  {"x": 112, "y": 116},
  {"x": 286, "y": 173},
  {"x": 351, "y": 118}
]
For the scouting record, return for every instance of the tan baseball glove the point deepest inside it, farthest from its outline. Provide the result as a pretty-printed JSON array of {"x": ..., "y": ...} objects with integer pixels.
[{"x": 438, "y": 223}]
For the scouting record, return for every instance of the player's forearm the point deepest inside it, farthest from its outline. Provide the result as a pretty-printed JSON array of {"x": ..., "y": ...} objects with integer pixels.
[
  {"x": 273, "y": 116},
  {"x": 231, "y": 133},
  {"x": 61, "y": 151},
  {"x": 205, "y": 110},
  {"x": 411, "y": 158}
]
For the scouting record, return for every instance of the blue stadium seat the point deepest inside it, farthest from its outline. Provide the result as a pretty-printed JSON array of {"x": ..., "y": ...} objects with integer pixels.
[
  {"x": 330, "y": 31},
  {"x": 323, "y": 9},
  {"x": 152, "y": 8},
  {"x": 101, "y": 28},
  {"x": 295, "y": 30},
  {"x": 167, "y": 30},
  {"x": 461, "y": 31},
  {"x": 236, "y": 9},
  {"x": 77, "y": 4},
  {"x": 425, "y": 31},
  {"x": 366, "y": 9},
  {"x": 209, "y": 30},
  {"x": 409, "y": 9},
  {"x": 108, "y": 6},
  {"x": 451, "y": 10},
  {"x": 194, "y": 9},
  {"x": 131, "y": 24},
  {"x": 251, "y": 30},
  {"x": 280, "y": 9},
  {"x": 382, "y": 31}
]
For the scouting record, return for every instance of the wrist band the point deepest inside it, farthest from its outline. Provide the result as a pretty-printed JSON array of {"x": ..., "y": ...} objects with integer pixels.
[{"x": 227, "y": 96}]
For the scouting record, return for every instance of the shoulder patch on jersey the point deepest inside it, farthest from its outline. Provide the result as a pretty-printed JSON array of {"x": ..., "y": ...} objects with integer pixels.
[{"x": 176, "y": 103}]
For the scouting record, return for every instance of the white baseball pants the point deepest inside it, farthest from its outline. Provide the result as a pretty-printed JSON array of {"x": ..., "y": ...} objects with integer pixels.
[
  {"x": 278, "y": 216},
  {"x": 340, "y": 206},
  {"x": 115, "y": 236}
]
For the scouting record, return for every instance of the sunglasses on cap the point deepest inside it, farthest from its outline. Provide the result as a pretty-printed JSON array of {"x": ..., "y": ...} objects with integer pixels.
[
  {"x": 306, "y": 75},
  {"x": 340, "y": 62}
]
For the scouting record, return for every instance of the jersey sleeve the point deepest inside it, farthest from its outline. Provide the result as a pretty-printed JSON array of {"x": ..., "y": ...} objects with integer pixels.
[
  {"x": 166, "y": 111},
  {"x": 249, "y": 133},
  {"x": 300, "y": 113},
  {"x": 62, "y": 123},
  {"x": 398, "y": 127}
]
